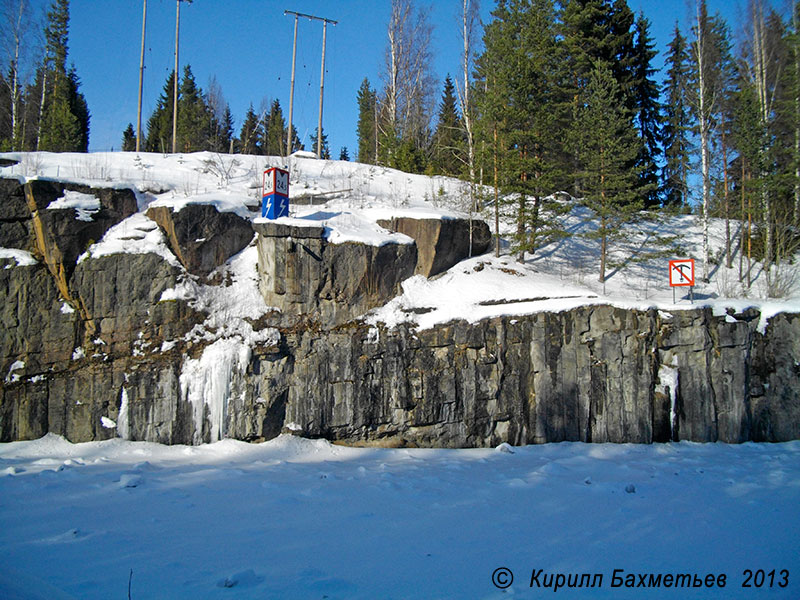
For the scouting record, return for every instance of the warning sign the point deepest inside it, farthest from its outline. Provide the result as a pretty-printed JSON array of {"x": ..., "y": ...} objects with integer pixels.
[{"x": 681, "y": 272}]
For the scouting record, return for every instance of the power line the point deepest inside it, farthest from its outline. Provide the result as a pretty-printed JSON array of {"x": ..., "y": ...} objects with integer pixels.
[{"x": 321, "y": 80}]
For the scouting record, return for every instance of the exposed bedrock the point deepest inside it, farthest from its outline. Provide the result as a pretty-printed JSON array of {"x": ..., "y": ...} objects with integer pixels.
[
  {"x": 200, "y": 236},
  {"x": 441, "y": 243},
  {"x": 93, "y": 349},
  {"x": 303, "y": 275},
  {"x": 593, "y": 374}
]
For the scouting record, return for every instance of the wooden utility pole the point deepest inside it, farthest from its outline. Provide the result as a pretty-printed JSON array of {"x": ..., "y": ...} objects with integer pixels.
[
  {"x": 175, "y": 94},
  {"x": 141, "y": 80},
  {"x": 321, "y": 79},
  {"x": 291, "y": 88},
  {"x": 321, "y": 87}
]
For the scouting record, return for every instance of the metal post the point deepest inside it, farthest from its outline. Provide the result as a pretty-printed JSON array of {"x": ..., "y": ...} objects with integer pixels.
[
  {"x": 321, "y": 87},
  {"x": 291, "y": 89},
  {"x": 175, "y": 94},
  {"x": 141, "y": 80}
]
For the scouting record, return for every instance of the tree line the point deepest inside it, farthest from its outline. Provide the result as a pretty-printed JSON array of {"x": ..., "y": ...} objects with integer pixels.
[
  {"x": 563, "y": 97},
  {"x": 43, "y": 109},
  {"x": 205, "y": 123}
]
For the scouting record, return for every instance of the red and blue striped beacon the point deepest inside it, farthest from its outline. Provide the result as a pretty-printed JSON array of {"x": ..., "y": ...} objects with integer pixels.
[{"x": 275, "y": 193}]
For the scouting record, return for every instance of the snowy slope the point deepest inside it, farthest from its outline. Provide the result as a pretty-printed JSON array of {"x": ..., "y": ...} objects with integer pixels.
[
  {"x": 355, "y": 196},
  {"x": 295, "y": 518}
]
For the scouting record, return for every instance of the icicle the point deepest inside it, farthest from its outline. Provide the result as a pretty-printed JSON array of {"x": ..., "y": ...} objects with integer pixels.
[
  {"x": 206, "y": 382},
  {"x": 668, "y": 382}
]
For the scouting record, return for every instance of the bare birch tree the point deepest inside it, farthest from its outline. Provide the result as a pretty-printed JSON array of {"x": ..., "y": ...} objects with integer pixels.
[
  {"x": 469, "y": 17},
  {"x": 796, "y": 52},
  {"x": 704, "y": 105},
  {"x": 17, "y": 41},
  {"x": 408, "y": 83}
]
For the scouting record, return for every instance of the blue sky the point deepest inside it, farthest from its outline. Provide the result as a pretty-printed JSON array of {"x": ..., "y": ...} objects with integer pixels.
[{"x": 247, "y": 46}]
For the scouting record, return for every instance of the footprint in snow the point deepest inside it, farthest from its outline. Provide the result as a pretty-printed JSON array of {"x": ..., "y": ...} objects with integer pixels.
[
  {"x": 244, "y": 579},
  {"x": 130, "y": 480}
]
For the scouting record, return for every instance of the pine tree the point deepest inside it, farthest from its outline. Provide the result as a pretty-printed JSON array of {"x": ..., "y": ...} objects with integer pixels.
[
  {"x": 129, "y": 139},
  {"x": 344, "y": 154},
  {"x": 648, "y": 114},
  {"x": 251, "y": 132},
  {"x": 367, "y": 124},
  {"x": 606, "y": 145},
  {"x": 448, "y": 139},
  {"x": 677, "y": 124},
  {"x": 519, "y": 99}
]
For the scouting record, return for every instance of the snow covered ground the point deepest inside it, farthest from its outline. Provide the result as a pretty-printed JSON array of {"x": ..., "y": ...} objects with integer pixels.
[
  {"x": 355, "y": 196},
  {"x": 295, "y": 518}
]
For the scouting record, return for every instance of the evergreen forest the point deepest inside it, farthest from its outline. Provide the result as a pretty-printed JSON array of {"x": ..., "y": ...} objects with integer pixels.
[{"x": 550, "y": 99}]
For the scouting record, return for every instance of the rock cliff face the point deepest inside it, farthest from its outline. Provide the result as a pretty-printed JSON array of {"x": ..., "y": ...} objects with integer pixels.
[
  {"x": 302, "y": 274},
  {"x": 108, "y": 345},
  {"x": 593, "y": 374},
  {"x": 441, "y": 243},
  {"x": 201, "y": 237}
]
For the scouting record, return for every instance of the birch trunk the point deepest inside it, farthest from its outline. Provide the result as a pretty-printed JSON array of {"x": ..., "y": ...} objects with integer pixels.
[{"x": 704, "y": 123}]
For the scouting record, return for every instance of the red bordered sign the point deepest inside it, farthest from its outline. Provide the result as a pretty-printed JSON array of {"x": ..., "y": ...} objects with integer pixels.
[{"x": 681, "y": 272}]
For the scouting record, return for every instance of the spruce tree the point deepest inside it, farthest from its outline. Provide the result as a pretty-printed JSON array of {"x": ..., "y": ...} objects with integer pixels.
[
  {"x": 344, "y": 154},
  {"x": 367, "y": 124},
  {"x": 275, "y": 131},
  {"x": 599, "y": 31},
  {"x": 296, "y": 143},
  {"x": 677, "y": 124},
  {"x": 606, "y": 144},
  {"x": 225, "y": 131},
  {"x": 448, "y": 139},
  {"x": 61, "y": 129},
  {"x": 79, "y": 108},
  {"x": 129, "y": 139},
  {"x": 251, "y": 132},
  {"x": 326, "y": 151},
  {"x": 746, "y": 137},
  {"x": 6, "y": 130},
  {"x": 648, "y": 114},
  {"x": 159, "y": 125},
  {"x": 194, "y": 116},
  {"x": 64, "y": 123}
]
